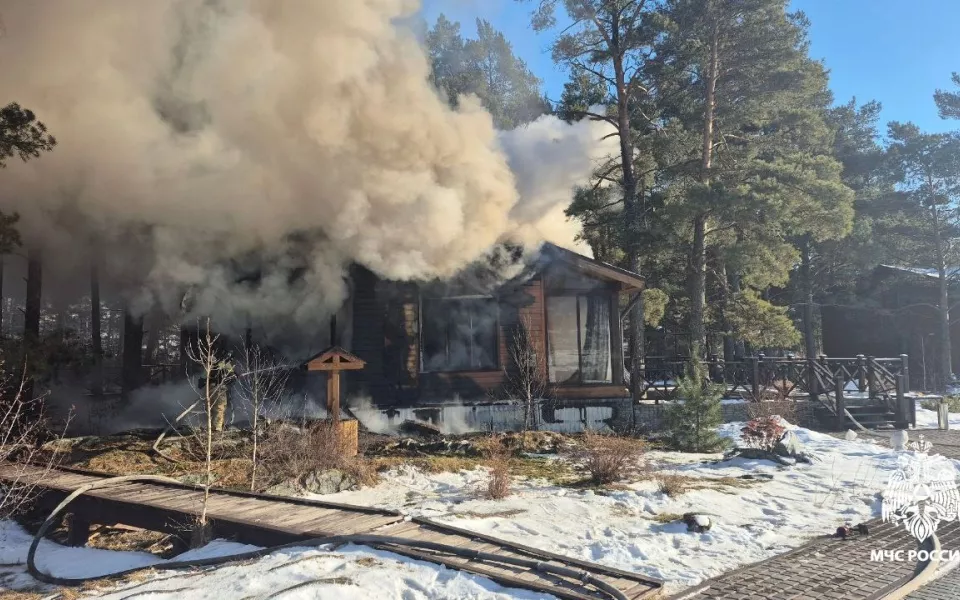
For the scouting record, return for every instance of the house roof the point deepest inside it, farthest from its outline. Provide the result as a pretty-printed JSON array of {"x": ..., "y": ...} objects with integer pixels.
[
  {"x": 952, "y": 272},
  {"x": 628, "y": 279}
]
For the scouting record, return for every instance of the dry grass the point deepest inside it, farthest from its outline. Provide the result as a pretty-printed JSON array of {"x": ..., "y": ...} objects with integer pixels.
[
  {"x": 428, "y": 464},
  {"x": 671, "y": 484},
  {"x": 667, "y": 517},
  {"x": 292, "y": 454},
  {"x": 498, "y": 486},
  {"x": 227, "y": 472},
  {"x": 609, "y": 458},
  {"x": 777, "y": 407},
  {"x": 675, "y": 484}
]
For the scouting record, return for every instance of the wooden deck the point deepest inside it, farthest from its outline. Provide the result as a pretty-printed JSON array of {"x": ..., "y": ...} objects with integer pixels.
[{"x": 270, "y": 520}]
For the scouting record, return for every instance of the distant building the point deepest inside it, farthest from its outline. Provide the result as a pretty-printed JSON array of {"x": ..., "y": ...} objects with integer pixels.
[{"x": 897, "y": 314}]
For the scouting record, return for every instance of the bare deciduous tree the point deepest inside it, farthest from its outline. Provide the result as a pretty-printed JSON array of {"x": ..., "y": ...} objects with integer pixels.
[
  {"x": 525, "y": 378},
  {"x": 23, "y": 427},
  {"x": 261, "y": 383},
  {"x": 217, "y": 373}
]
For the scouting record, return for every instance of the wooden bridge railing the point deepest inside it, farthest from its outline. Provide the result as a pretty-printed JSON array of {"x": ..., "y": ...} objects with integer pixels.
[{"x": 758, "y": 377}]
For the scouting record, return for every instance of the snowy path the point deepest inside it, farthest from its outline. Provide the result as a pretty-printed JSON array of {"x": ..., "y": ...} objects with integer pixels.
[
  {"x": 621, "y": 528},
  {"x": 754, "y": 518}
]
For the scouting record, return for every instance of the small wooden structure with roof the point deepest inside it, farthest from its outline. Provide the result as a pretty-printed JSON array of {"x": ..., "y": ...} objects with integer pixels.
[{"x": 332, "y": 361}]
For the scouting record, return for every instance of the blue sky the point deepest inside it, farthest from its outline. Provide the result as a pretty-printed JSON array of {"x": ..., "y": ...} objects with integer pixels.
[{"x": 888, "y": 50}]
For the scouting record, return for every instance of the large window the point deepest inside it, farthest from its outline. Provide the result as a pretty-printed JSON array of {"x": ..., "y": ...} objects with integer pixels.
[
  {"x": 459, "y": 334},
  {"x": 578, "y": 339}
]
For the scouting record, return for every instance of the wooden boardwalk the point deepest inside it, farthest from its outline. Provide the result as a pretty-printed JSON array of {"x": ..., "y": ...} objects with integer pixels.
[{"x": 270, "y": 520}]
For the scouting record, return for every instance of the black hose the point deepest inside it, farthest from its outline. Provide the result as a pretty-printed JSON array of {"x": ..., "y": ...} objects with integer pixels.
[{"x": 378, "y": 541}]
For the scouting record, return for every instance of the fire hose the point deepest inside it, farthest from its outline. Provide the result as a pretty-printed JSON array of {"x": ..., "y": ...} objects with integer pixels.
[{"x": 376, "y": 541}]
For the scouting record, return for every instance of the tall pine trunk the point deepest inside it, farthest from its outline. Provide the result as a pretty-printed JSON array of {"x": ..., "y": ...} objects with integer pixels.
[
  {"x": 132, "y": 360},
  {"x": 723, "y": 283},
  {"x": 154, "y": 322},
  {"x": 635, "y": 333},
  {"x": 96, "y": 342},
  {"x": 2, "y": 298},
  {"x": 806, "y": 280},
  {"x": 698, "y": 258},
  {"x": 943, "y": 302},
  {"x": 31, "y": 326}
]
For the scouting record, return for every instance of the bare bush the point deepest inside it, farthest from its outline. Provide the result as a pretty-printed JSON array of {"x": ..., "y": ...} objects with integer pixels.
[
  {"x": 784, "y": 409},
  {"x": 292, "y": 453},
  {"x": 609, "y": 458},
  {"x": 763, "y": 433},
  {"x": 498, "y": 486},
  {"x": 23, "y": 430},
  {"x": 671, "y": 484},
  {"x": 262, "y": 383}
]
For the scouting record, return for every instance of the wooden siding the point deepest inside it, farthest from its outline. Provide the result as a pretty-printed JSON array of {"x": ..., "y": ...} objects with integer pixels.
[
  {"x": 386, "y": 334},
  {"x": 522, "y": 304}
]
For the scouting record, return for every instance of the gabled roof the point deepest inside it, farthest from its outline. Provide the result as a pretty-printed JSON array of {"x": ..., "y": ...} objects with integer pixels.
[
  {"x": 595, "y": 268},
  {"x": 952, "y": 272},
  {"x": 334, "y": 358}
]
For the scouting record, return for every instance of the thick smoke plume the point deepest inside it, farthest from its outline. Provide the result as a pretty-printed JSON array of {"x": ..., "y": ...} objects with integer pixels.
[{"x": 204, "y": 140}]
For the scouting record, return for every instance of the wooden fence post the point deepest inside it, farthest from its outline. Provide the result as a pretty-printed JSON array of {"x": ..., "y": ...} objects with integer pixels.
[
  {"x": 838, "y": 400},
  {"x": 813, "y": 390},
  {"x": 755, "y": 376},
  {"x": 903, "y": 411},
  {"x": 871, "y": 377},
  {"x": 861, "y": 374}
]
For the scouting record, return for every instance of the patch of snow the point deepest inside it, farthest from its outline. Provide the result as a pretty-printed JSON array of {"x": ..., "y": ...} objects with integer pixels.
[
  {"x": 350, "y": 573},
  {"x": 757, "y": 509},
  {"x": 618, "y": 528},
  {"x": 927, "y": 419}
]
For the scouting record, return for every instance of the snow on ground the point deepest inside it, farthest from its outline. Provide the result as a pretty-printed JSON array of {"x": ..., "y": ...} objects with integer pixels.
[
  {"x": 618, "y": 528},
  {"x": 350, "y": 573},
  {"x": 927, "y": 419},
  {"x": 753, "y": 519}
]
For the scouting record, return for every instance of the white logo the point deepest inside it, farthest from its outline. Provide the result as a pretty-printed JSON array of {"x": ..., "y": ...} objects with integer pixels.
[{"x": 922, "y": 492}]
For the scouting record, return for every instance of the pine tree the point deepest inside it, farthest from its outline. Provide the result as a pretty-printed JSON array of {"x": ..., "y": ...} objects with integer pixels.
[
  {"x": 486, "y": 67},
  {"x": 928, "y": 213},
  {"x": 948, "y": 103},
  {"x": 607, "y": 47},
  {"x": 738, "y": 74},
  {"x": 691, "y": 421}
]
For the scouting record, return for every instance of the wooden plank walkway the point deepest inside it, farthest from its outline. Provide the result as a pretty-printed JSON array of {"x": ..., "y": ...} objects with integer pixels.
[{"x": 270, "y": 520}]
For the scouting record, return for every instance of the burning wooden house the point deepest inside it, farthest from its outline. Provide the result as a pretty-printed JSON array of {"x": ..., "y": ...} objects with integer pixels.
[{"x": 452, "y": 341}]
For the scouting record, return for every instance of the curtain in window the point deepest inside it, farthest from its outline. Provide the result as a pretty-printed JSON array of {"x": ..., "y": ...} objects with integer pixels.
[
  {"x": 595, "y": 339},
  {"x": 563, "y": 355}
]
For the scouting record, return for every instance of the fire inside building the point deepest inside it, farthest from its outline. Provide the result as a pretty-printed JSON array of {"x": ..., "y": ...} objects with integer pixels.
[{"x": 455, "y": 343}]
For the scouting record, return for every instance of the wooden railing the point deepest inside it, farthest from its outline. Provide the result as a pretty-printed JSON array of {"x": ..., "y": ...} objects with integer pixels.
[{"x": 831, "y": 381}]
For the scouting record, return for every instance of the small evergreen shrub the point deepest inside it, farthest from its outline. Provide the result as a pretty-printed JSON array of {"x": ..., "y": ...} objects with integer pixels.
[
  {"x": 692, "y": 420},
  {"x": 952, "y": 401}
]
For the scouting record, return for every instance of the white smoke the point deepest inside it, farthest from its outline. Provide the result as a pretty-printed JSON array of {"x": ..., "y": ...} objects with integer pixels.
[{"x": 202, "y": 138}]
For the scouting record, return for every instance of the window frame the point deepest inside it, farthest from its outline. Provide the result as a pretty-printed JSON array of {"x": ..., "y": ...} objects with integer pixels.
[
  {"x": 577, "y": 294},
  {"x": 496, "y": 334}
]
